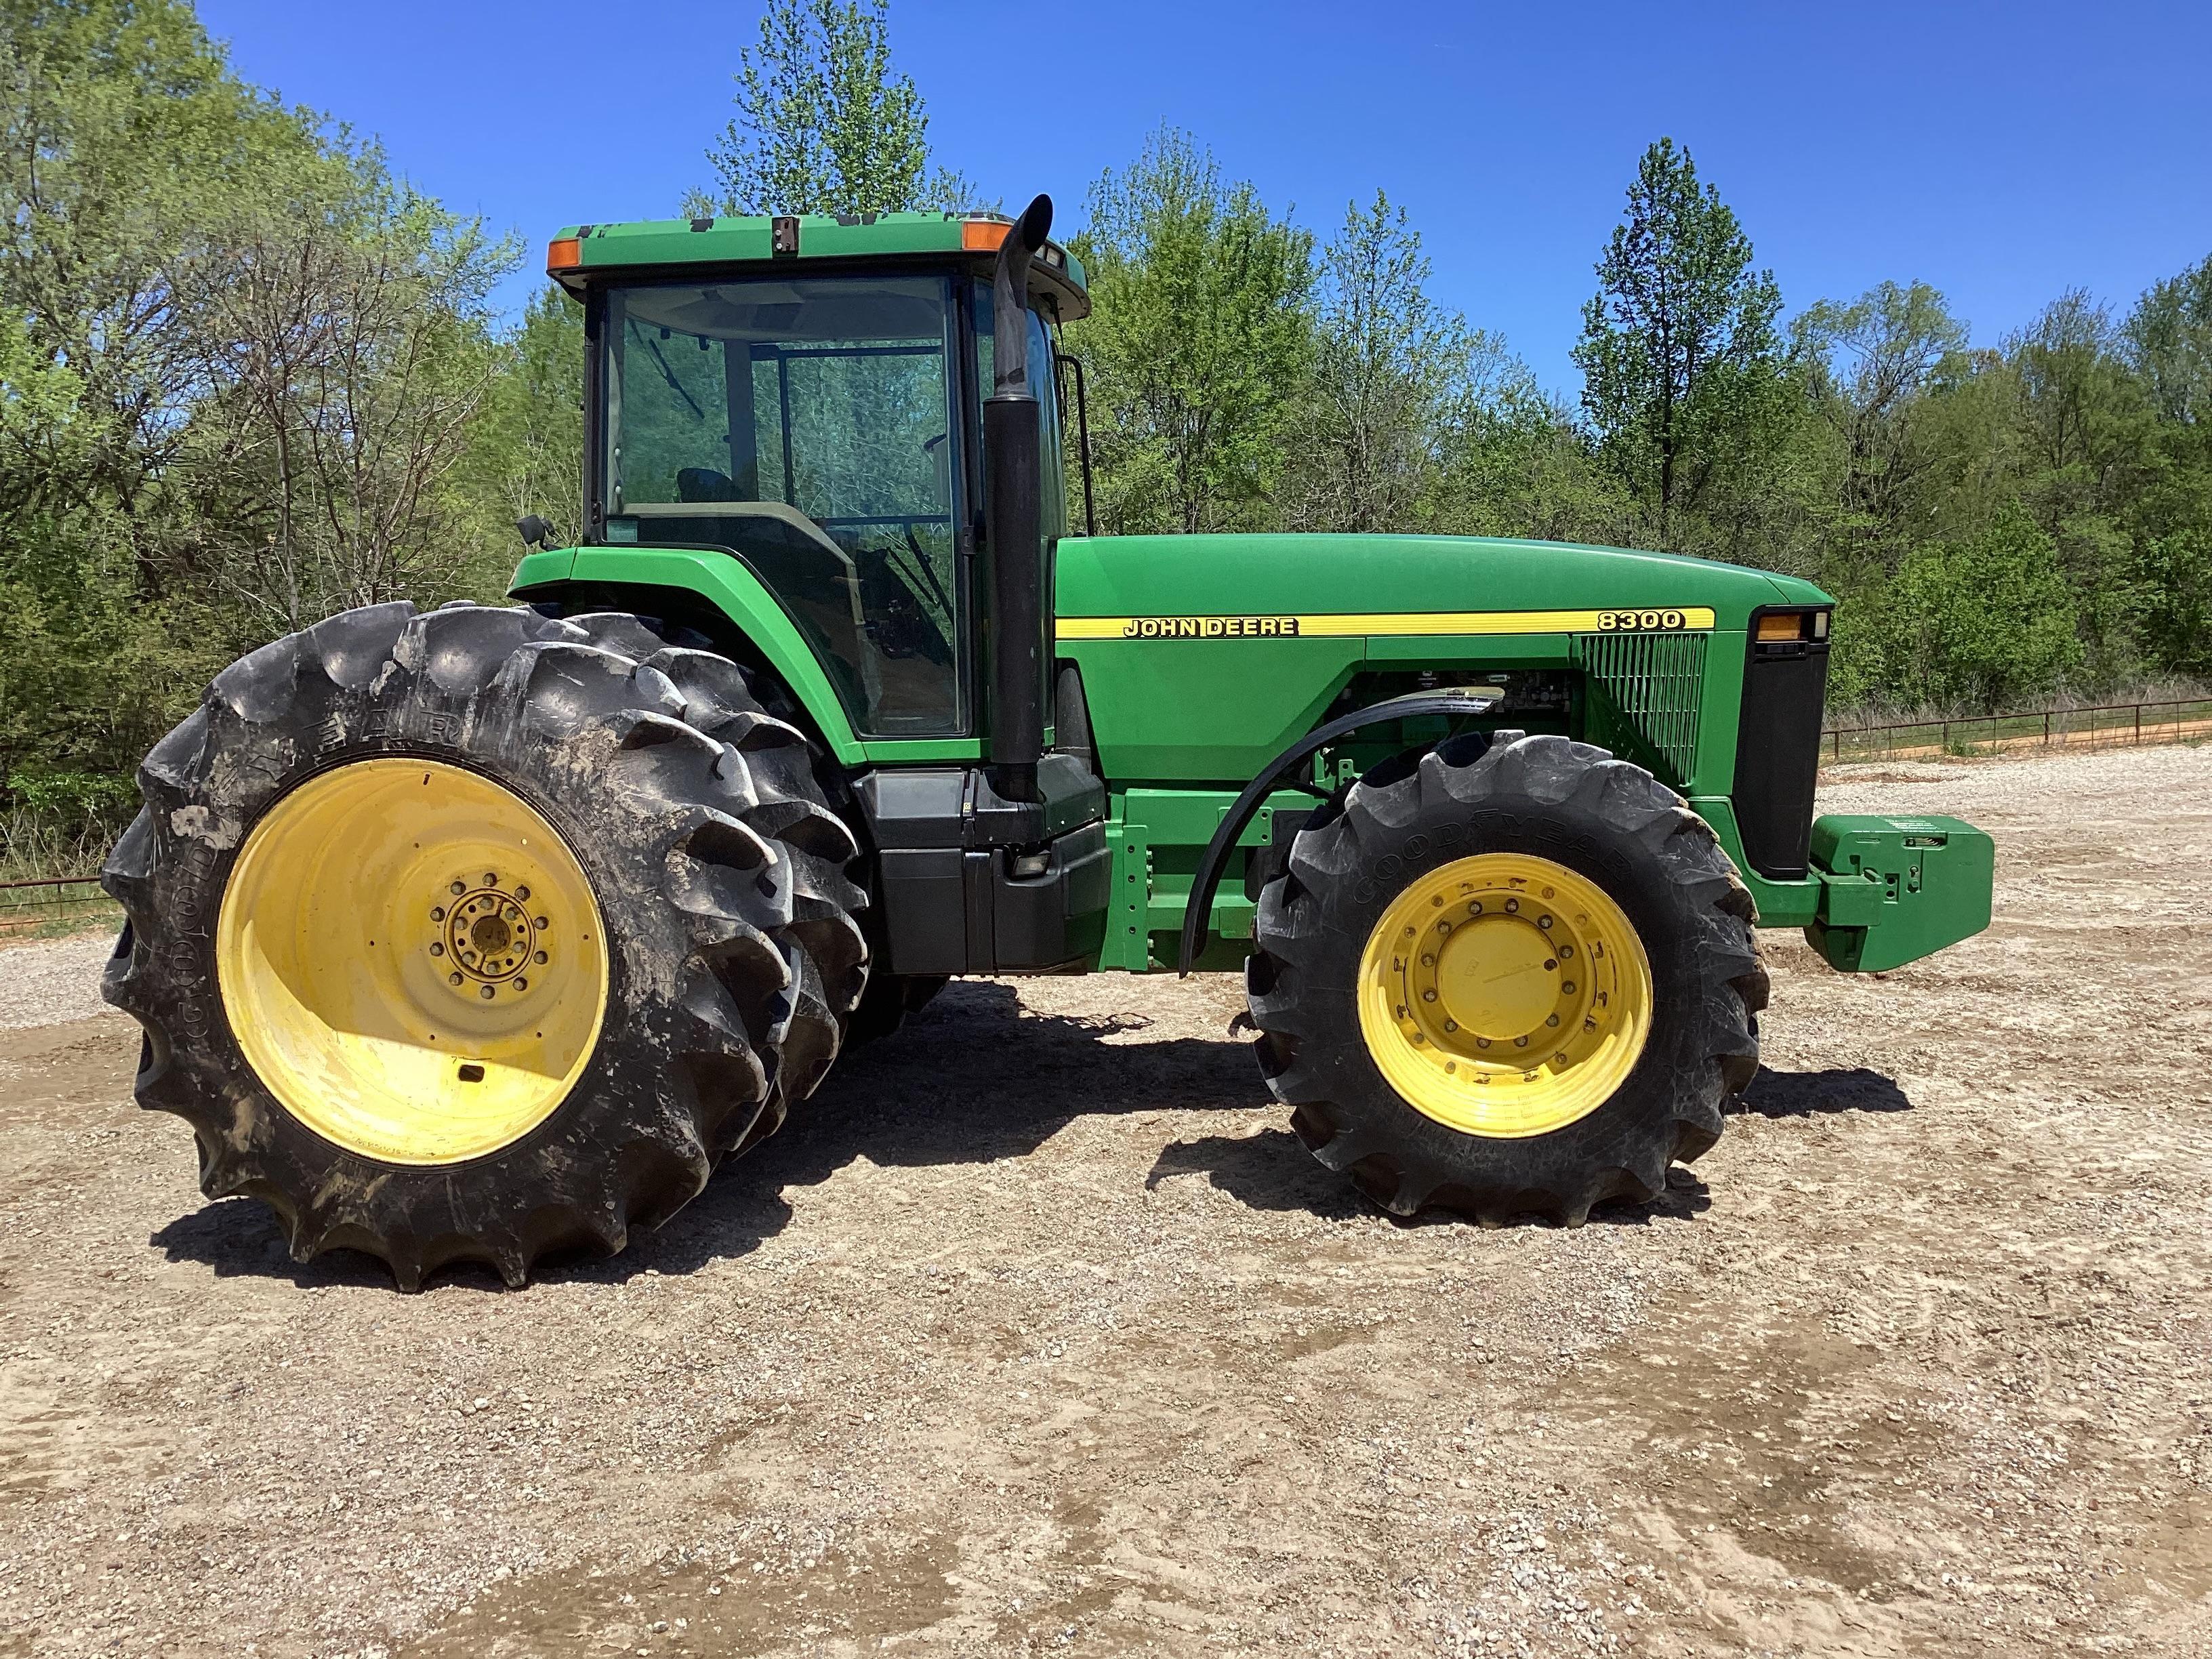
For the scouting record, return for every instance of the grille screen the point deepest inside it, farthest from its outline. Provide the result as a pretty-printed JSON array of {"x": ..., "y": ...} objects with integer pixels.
[{"x": 1644, "y": 691}]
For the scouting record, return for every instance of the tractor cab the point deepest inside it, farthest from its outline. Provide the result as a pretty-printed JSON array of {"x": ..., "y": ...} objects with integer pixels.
[{"x": 818, "y": 413}]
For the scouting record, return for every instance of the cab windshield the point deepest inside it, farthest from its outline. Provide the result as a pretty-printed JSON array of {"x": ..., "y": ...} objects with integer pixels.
[{"x": 810, "y": 426}]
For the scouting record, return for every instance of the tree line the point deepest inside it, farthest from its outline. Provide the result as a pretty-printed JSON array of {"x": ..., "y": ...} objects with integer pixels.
[{"x": 249, "y": 376}]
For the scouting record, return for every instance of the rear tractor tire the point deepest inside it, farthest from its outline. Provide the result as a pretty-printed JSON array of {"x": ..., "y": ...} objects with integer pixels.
[
  {"x": 475, "y": 935},
  {"x": 1510, "y": 975}
]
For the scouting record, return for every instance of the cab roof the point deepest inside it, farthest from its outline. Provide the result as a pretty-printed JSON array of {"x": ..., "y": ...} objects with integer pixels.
[{"x": 581, "y": 252}]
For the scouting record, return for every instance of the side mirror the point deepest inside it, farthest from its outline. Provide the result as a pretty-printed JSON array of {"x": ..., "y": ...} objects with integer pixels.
[{"x": 534, "y": 531}]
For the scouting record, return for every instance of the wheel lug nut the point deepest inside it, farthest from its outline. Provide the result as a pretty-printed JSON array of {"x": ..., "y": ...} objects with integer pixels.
[
  {"x": 544, "y": 923},
  {"x": 1543, "y": 921},
  {"x": 522, "y": 892},
  {"x": 1482, "y": 1042},
  {"x": 1550, "y": 1019},
  {"x": 1513, "y": 905},
  {"x": 1518, "y": 1043},
  {"x": 437, "y": 950},
  {"x": 521, "y": 984},
  {"x": 453, "y": 979},
  {"x": 1429, "y": 960},
  {"x": 1428, "y": 996},
  {"x": 1550, "y": 962},
  {"x": 458, "y": 889},
  {"x": 1567, "y": 986},
  {"x": 487, "y": 993},
  {"x": 492, "y": 878},
  {"x": 437, "y": 913},
  {"x": 1451, "y": 1025}
]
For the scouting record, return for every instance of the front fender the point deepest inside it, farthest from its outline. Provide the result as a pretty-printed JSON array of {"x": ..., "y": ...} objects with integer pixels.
[{"x": 1452, "y": 700}]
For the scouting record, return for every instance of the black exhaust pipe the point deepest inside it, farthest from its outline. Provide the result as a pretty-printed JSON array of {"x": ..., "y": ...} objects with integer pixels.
[{"x": 1013, "y": 466}]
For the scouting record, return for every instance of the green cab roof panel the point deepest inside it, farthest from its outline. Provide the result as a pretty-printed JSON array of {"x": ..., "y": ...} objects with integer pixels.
[{"x": 750, "y": 239}]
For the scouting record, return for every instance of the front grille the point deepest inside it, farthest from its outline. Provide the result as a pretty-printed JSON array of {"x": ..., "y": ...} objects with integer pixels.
[{"x": 1644, "y": 691}]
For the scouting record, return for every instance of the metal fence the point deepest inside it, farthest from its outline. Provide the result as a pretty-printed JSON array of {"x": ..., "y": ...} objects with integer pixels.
[
  {"x": 2117, "y": 724},
  {"x": 29, "y": 906}
]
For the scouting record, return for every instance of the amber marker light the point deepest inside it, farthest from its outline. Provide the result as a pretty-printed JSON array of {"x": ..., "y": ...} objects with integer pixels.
[
  {"x": 1778, "y": 625},
  {"x": 983, "y": 235},
  {"x": 566, "y": 254}
]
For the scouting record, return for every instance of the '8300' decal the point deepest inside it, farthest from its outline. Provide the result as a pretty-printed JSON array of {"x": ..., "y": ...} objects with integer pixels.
[{"x": 1640, "y": 622}]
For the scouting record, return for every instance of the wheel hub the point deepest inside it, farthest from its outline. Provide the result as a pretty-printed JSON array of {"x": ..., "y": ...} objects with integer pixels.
[
  {"x": 1505, "y": 994},
  {"x": 489, "y": 937},
  {"x": 1495, "y": 977}
]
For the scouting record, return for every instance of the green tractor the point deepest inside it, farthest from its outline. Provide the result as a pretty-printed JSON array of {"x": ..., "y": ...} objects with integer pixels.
[{"x": 484, "y": 932}]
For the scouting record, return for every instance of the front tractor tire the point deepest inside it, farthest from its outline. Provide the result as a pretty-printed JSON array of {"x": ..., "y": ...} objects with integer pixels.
[
  {"x": 1510, "y": 975},
  {"x": 475, "y": 935}
]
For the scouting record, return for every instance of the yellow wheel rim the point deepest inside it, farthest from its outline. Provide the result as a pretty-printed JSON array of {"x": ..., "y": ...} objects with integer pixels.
[
  {"x": 1505, "y": 995},
  {"x": 412, "y": 961}
]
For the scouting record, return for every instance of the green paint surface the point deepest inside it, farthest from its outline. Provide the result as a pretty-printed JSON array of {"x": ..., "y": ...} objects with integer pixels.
[
  {"x": 1181, "y": 724},
  {"x": 671, "y": 245},
  {"x": 1217, "y": 710}
]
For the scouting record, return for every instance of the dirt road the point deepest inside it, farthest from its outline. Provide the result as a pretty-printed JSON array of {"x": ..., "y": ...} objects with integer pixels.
[{"x": 1039, "y": 1332}]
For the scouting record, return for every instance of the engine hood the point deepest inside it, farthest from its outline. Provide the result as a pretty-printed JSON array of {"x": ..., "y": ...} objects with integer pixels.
[{"x": 1332, "y": 579}]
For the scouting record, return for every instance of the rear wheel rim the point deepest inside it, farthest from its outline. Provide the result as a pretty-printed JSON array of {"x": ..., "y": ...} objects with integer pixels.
[
  {"x": 1505, "y": 995},
  {"x": 412, "y": 961}
]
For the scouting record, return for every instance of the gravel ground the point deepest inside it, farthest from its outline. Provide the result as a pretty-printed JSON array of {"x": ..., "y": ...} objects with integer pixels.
[
  {"x": 53, "y": 982},
  {"x": 1039, "y": 1332}
]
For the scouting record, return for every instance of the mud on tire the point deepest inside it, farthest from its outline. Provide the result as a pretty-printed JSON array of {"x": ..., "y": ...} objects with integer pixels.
[
  {"x": 1561, "y": 800},
  {"x": 734, "y": 956}
]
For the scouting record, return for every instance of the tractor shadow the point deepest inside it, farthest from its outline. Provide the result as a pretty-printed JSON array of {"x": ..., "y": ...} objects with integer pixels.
[
  {"x": 973, "y": 1078},
  {"x": 977, "y": 1078},
  {"x": 1811, "y": 1094},
  {"x": 1272, "y": 1171}
]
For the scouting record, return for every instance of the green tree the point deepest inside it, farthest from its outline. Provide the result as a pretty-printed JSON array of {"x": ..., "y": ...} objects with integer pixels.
[
  {"x": 238, "y": 362},
  {"x": 1198, "y": 345},
  {"x": 824, "y": 124},
  {"x": 1389, "y": 366},
  {"x": 1871, "y": 363},
  {"x": 526, "y": 448},
  {"x": 2169, "y": 336},
  {"x": 1982, "y": 623},
  {"x": 1680, "y": 361}
]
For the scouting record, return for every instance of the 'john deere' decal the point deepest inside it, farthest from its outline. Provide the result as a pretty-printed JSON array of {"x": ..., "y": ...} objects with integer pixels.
[
  {"x": 1388, "y": 624},
  {"x": 1209, "y": 628}
]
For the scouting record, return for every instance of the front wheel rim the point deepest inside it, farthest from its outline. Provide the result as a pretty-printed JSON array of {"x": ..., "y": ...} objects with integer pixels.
[
  {"x": 1505, "y": 995},
  {"x": 412, "y": 961}
]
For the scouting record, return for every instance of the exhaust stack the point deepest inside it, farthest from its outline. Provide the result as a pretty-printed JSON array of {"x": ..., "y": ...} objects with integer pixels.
[{"x": 1013, "y": 466}]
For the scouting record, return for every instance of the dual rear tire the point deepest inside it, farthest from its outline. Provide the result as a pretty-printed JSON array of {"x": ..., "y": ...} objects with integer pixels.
[{"x": 478, "y": 935}]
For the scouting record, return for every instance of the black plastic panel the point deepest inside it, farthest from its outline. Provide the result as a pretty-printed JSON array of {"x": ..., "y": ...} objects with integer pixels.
[
  {"x": 951, "y": 900},
  {"x": 1777, "y": 752}
]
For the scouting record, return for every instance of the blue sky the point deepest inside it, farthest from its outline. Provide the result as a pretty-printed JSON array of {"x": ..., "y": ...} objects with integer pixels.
[{"x": 2003, "y": 152}]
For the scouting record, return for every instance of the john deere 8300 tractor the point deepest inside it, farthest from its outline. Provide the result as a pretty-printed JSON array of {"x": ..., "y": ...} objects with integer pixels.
[{"x": 483, "y": 933}]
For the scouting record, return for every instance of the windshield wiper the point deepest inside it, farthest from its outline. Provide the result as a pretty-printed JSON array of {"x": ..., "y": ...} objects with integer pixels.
[{"x": 667, "y": 373}]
